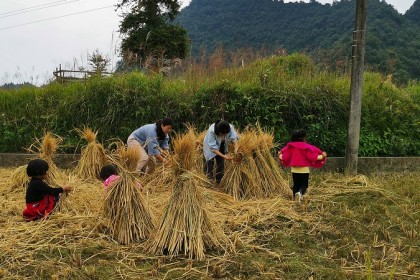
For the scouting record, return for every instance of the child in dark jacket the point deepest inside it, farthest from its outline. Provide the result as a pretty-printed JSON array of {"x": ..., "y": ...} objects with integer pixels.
[
  {"x": 300, "y": 155},
  {"x": 40, "y": 198}
]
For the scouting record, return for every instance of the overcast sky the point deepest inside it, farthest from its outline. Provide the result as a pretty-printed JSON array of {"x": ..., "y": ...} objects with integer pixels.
[{"x": 33, "y": 43}]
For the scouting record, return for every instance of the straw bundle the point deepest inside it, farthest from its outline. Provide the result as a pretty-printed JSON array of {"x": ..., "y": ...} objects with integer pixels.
[
  {"x": 241, "y": 178},
  {"x": 19, "y": 178},
  {"x": 273, "y": 182},
  {"x": 184, "y": 151},
  {"x": 129, "y": 217},
  {"x": 199, "y": 140},
  {"x": 92, "y": 156},
  {"x": 255, "y": 174},
  {"x": 186, "y": 226},
  {"x": 45, "y": 149}
]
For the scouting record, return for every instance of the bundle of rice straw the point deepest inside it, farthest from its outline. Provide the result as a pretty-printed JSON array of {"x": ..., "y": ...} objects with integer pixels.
[
  {"x": 199, "y": 162},
  {"x": 45, "y": 149},
  {"x": 186, "y": 227},
  {"x": 93, "y": 156},
  {"x": 19, "y": 179},
  {"x": 254, "y": 173},
  {"x": 129, "y": 216},
  {"x": 241, "y": 178},
  {"x": 273, "y": 182}
]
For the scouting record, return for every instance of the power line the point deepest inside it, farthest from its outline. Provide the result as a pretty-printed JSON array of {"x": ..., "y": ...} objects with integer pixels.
[
  {"x": 46, "y": 4},
  {"x": 40, "y": 8},
  {"x": 82, "y": 12}
]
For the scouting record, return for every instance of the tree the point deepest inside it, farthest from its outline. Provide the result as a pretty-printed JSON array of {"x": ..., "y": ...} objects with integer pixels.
[
  {"x": 148, "y": 31},
  {"x": 98, "y": 62}
]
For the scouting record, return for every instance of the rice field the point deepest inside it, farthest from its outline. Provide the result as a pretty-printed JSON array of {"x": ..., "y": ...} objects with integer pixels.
[{"x": 347, "y": 228}]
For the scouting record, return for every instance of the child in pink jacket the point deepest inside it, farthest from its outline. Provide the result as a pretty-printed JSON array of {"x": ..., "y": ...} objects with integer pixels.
[
  {"x": 300, "y": 156},
  {"x": 109, "y": 175}
]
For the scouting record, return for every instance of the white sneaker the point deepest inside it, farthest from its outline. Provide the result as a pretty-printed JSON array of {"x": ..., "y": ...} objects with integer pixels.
[{"x": 299, "y": 196}]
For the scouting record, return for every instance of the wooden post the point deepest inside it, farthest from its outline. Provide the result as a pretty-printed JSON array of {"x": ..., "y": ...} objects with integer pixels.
[{"x": 357, "y": 68}]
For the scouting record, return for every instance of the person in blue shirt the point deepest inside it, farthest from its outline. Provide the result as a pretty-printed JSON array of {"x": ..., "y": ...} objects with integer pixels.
[
  {"x": 150, "y": 140},
  {"x": 215, "y": 148}
]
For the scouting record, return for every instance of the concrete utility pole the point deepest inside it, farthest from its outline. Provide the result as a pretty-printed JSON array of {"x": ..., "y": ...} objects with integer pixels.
[{"x": 357, "y": 68}]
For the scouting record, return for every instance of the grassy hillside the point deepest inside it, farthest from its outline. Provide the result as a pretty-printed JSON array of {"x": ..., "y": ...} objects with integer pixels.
[
  {"x": 324, "y": 31},
  {"x": 348, "y": 228},
  {"x": 281, "y": 93}
]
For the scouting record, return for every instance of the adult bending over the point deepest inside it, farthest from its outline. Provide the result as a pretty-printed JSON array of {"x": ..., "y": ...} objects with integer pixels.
[
  {"x": 215, "y": 148},
  {"x": 150, "y": 140}
]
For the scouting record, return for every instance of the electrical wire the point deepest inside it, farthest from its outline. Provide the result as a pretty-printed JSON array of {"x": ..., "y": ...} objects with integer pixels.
[
  {"x": 82, "y": 12},
  {"x": 46, "y": 4},
  {"x": 37, "y": 9}
]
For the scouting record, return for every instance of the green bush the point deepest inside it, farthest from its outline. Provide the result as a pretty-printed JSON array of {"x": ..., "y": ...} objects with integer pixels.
[{"x": 280, "y": 93}]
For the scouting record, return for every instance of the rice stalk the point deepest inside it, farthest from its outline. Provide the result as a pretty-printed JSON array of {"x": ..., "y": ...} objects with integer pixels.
[
  {"x": 45, "y": 149},
  {"x": 255, "y": 174},
  {"x": 19, "y": 179},
  {"x": 125, "y": 208},
  {"x": 186, "y": 227},
  {"x": 184, "y": 151},
  {"x": 129, "y": 217},
  {"x": 93, "y": 156}
]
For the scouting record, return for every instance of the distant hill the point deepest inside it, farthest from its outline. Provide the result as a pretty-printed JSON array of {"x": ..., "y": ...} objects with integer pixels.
[
  {"x": 325, "y": 31},
  {"x": 12, "y": 85},
  {"x": 414, "y": 12}
]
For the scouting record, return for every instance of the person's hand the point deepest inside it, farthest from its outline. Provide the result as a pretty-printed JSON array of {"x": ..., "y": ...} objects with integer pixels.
[
  {"x": 324, "y": 154},
  {"x": 67, "y": 188},
  {"x": 279, "y": 155},
  {"x": 227, "y": 157}
]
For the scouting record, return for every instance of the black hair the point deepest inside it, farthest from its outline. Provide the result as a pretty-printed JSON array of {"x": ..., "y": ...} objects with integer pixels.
[
  {"x": 165, "y": 121},
  {"x": 221, "y": 127},
  {"x": 107, "y": 171},
  {"x": 298, "y": 135},
  {"x": 37, "y": 168}
]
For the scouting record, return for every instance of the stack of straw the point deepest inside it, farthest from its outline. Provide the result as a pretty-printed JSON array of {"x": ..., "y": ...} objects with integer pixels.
[
  {"x": 186, "y": 226},
  {"x": 241, "y": 178},
  {"x": 45, "y": 149},
  {"x": 129, "y": 217},
  {"x": 272, "y": 178},
  {"x": 93, "y": 156},
  {"x": 254, "y": 173}
]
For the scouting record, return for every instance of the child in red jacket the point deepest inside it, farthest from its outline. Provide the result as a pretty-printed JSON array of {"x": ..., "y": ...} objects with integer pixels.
[
  {"x": 40, "y": 198},
  {"x": 300, "y": 155}
]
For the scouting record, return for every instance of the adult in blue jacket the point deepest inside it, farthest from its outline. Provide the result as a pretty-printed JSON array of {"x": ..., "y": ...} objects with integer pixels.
[
  {"x": 215, "y": 148},
  {"x": 150, "y": 140}
]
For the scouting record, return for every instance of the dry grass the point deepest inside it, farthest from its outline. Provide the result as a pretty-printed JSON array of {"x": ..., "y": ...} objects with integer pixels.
[
  {"x": 93, "y": 155},
  {"x": 348, "y": 227}
]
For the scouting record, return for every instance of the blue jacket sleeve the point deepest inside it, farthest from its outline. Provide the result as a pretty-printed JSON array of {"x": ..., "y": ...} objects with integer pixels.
[
  {"x": 152, "y": 144},
  {"x": 233, "y": 135},
  {"x": 165, "y": 144},
  {"x": 211, "y": 141}
]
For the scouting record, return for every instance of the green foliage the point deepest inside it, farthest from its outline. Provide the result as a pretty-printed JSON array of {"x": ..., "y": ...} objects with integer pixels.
[
  {"x": 324, "y": 31},
  {"x": 281, "y": 93},
  {"x": 148, "y": 32}
]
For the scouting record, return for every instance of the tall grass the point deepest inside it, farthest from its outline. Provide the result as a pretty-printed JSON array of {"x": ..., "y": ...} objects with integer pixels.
[{"x": 280, "y": 92}]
